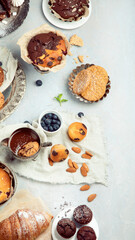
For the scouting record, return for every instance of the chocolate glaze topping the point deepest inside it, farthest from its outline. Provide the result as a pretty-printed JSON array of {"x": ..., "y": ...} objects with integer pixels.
[
  {"x": 39, "y": 43},
  {"x": 69, "y": 9}
]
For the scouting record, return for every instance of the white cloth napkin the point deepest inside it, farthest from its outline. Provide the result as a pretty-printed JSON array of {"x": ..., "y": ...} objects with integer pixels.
[{"x": 40, "y": 169}]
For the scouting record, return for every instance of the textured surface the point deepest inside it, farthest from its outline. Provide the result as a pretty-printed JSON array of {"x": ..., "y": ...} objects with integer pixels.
[{"x": 109, "y": 42}]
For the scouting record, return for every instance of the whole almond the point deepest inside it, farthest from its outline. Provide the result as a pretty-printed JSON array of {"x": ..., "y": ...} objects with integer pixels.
[
  {"x": 92, "y": 197},
  {"x": 85, "y": 166},
  {"x": 83, "y": 171},
  {"x": 70, "y": 163},
  {"x": 85, "y": 187},
  {"x": 76, "y": 149},
  {"x": 75, "y": 165},
  {"x": 86, "y": 156},
  {"x": 71, "y": 170},
  {"x": 88, "y": 153},
  {"x": 50, "y": 161}
]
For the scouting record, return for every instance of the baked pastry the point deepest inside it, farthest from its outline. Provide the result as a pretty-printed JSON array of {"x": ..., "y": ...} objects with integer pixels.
[
  {"x": 29, "y": 149},
  {"x": 46, "y": 49},
  {"x": 59, "y": 153},
  {"x": 77, "y": 131},
  {"x": 86, "y": 233},
  {"x": 82, "y": 214},
  {"x": 76, "y": 41},
  {"x": 7, "y": 6},
  {"x": 24, "y": 224},
  {"x": 66, "y": 228},
  {"x": 81, "y": 82},
  {"x": 2, "y": 15},
  {"x": 2, "y": 100},
  {"x": 5, "y": 185},
  {"x": 68, "y": 10},
  {"x": 1, "y": 76}
]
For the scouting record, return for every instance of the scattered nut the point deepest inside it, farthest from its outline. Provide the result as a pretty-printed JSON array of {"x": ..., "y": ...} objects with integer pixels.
[
  {"x": 75, "y": 165},
  {"x": 70, "y": 163},
  {"x": 92, "y": 197},
  {"x": 71, "y": 170},
  {"x": 76, "y": 149},
  {"x": 86, "y": 156},
  {"x": 83, "y": 172},
  {"x": 85, "y": 187},
  {"x": 85, "y": 166},
  {"x": 88, "y": 153}
]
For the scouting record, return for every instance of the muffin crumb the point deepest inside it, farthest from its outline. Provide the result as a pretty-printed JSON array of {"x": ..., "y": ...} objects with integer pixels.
[
  {"x": 77, "y": 41},
  {"x": 76, "y": 60},
  {"x": 81, "y": 58},
  {"x": 70, "y": 54}
]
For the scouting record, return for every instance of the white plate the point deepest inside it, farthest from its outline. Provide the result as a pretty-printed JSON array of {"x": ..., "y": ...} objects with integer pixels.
[
  {"x": 59, "y": 23},
  {"x": 93, "y": 224}
]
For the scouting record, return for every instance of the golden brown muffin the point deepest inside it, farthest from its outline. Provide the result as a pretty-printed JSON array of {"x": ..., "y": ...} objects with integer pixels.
[
  {"x": 1, "y": 76},
  {"x": 97, "y": 86},
  {"x": 5, "y": 185},
  {"x": 2, "y": 100},
  {"x": 77, "y": 131},
  {"x": 59, "y": 153},
  {"x": 29, "y": 149}
]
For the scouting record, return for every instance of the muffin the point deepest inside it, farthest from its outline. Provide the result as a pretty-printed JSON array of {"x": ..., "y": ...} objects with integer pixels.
[
  {"x": 66, "y": 228},
  {"x": 77, "y": 131},
  {"x": 82, "y": 214},
  {"x": 68, "y": 11},
  {"x": 89, "y": 83},
  {"x": 58, "y": 153},
  {"x": 86, "y": 233},
  {"x": 1, "y": 76},
  {"x": 2, "y": 100},
  {"x": 45, "y": 48}
]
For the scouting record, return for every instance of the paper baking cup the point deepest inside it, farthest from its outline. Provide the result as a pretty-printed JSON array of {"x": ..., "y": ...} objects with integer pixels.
[
  {"x": 13, "y": 182},
  {"x": 72, "y": 78}
]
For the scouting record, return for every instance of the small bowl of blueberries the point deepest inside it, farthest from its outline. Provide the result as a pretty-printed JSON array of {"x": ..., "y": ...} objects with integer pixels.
[{"x": 50, "y": 122}]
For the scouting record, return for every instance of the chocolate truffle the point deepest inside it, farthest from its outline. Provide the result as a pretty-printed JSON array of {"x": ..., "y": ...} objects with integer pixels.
[
  {"x": 66, "y": 228},
  {"x": 86, "y": 233},
  {"x": 82, "y": 214}
]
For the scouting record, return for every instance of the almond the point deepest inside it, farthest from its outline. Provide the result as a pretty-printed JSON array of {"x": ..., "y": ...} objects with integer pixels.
[
  {"x": 75, "y": 165},
  {"x": 85, "y": 166},
  {"x": 88, "y": 153},
  {"x": 70, "y": 163},
  {"x": 71, "y": 170},
  {"x": 85, "y": 188},
  {"x": 86, "y": 156},
  {"x": 92, "y": 197},
  {"x": 50, "y": 162},
  {"x": 83, "y": 171},
  {"x": 76, "y": 149}
]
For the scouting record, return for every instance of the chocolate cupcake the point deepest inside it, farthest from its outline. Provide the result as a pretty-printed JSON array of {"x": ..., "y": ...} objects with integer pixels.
[
  {"x": 45, "y": 48},
  {"x": 89, "y": 83},
  {"x": 68, "y": 11},
  {"x": 82, "y": 214},
  {"x": 66, "y": 228},
  {"x": 86, "y": 233}
]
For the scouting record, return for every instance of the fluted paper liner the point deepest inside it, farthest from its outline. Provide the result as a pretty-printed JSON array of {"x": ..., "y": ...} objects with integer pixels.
[
  {"x": 24, "y": 200},
  {"x": 24, "y": 40},
  {"x": 72, "y": 78}
]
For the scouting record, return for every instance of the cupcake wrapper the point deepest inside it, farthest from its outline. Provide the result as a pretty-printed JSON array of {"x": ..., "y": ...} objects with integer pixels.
[{"x": 72, "y": 78}]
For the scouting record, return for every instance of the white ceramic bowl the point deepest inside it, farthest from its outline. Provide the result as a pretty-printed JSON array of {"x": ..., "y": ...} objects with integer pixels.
[{"x": 47, "y": 132}]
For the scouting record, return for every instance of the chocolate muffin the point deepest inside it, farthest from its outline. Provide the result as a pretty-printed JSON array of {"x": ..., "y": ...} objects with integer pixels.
[
  {"x": 46, "y": 49},
  {"x": 68, "y": 10},
  {"x": 66, "y": 228},
  {"x": 86, "y": 233},
  {"x": 82, "y": 214}
]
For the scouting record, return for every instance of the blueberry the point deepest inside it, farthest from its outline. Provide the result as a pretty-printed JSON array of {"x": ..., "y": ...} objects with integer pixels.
[
  {"x": 43, "y": 118},
  {"x": 0, "y": 64},
  {"x": 43, "y": 124},
  {"x": 59, "y": 122},
  {"x": 39, "y": 83},
  {"x": 80, "y": 114},
  {"x": 49, "y": 115},
  {"x": 26, "y": 122},
  {"x": 54, "y": 121},
  {"x": 56, "y": 127},
  {"x": 46, "y": 128},
  {"x": 47, "y": 121},
  {"x": 50, "y": 128},
  {"x": 55, "y": 116}
]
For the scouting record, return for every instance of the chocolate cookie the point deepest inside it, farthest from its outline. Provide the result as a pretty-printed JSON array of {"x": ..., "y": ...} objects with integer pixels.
[
  {"x": 82, "y": 214},
  {"x": 86, "y": 233},
  {"x": 66, "y": 228}
]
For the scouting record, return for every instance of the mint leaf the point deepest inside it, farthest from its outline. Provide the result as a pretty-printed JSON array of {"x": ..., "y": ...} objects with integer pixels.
[{"x": 59, "y": 98}]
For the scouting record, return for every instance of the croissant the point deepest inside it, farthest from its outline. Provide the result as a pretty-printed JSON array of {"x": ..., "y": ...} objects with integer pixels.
[{"x": 24, "y": 224}]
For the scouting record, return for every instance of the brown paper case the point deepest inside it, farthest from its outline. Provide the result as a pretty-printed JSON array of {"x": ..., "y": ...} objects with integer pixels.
[
  {"x": 72, "y": 78},
  {"x": 24, "y": 40}
]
